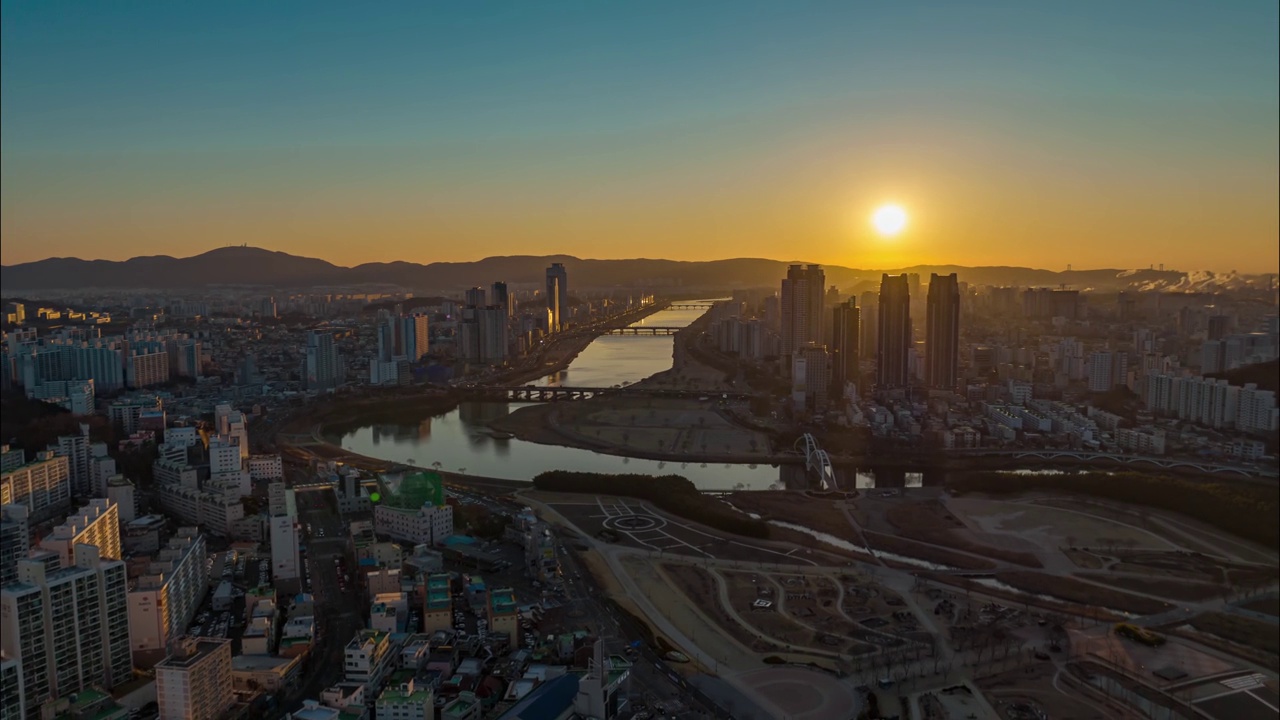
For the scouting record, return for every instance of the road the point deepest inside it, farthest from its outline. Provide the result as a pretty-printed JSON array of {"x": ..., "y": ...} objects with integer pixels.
[
  {"x": 338, "y": 615},
  {"x": 651, "y": 677}
]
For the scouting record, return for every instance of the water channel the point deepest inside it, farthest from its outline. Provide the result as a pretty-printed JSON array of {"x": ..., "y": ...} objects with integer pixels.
[{"x": 460, "y": 441}]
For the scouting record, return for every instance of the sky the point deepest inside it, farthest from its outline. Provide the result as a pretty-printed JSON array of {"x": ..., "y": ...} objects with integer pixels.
[{"x": 1042, "y": 134}]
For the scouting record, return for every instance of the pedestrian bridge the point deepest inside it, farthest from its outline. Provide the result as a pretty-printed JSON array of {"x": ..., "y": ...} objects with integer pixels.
[
  {"x": 1123, "y": 459},
  {"x": 817, "y": 461}
]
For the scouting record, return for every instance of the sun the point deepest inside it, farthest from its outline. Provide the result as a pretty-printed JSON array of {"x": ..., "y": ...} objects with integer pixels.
[{"x": 889, "y": 220}]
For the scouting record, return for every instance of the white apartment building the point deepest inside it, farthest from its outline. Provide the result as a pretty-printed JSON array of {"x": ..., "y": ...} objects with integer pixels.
[
  {"x": 232, "y": 423},
  {"x": 15, "y": 540},
  {"x": 11, "y": 694},
  {"x": 102, "y": 467},
  {"x": 69, "y": 626},
  {"x": 1143, "y": 442},
  {"x": 183, "y": 436},
  {"x": 285, "y": 559},
  {"x": 266, "y": 467},
  {"x": 97, "y": 524},
  {"x": 428, "y": 525},
  {"x": 369, "y": 657},
  {"x": 121, "y": 493},
  {"x": 195, "y": 682},
  {"x": 164, "y": 599},
  {"x": 214, "y": 512},
  {"x": 44, "y": 486}
]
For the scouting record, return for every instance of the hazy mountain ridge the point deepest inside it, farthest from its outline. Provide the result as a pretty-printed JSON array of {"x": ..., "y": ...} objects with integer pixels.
[{"x": 256, "y": 266}]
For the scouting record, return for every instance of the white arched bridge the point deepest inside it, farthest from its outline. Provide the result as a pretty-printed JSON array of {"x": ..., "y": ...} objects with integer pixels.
[
  {"x": 1123, "y": 459},
  {"x": 817, "y": 461}
]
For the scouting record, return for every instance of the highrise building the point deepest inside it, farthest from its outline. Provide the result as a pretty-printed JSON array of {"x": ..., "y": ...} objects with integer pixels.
[
  {"x": 942, "y": 332},
  {"x": 475, "y": 297},
  {"x": 75, "y": 448},
  {"x": 15, "y": 540},
  {"x": 194, "y": 682},
  {"x": 12, "y": 706},
  {"x": 868, "y": 307},
  {"x": 1219, "y": 325},
  {"x": 97, "y": 524},
  {"x": 845, "y": 339},
  {"x": 322, "y": 365},
  {"x": 894, "y": 336},
  {"x": 1107, "y": 369},
  {"x": 557, "y": 295},
  {"x": 285, "y": 559},
  {"x": 147, "y": 367},
  {"x": 69, "y": 626},
  {"x": 502, "y": 298},
  {"x": 44, "y": 486},
  {"x": 801, "y": 308},
  {"x": 492, "y": 323},
  {"x": 165, "y": 598},
  {"x": 416, "y": 338},
  {"x": 810, "y": 373}
]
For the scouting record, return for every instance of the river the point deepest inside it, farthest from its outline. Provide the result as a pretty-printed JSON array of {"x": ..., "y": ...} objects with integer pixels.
[{"x": 460, "y": 442}]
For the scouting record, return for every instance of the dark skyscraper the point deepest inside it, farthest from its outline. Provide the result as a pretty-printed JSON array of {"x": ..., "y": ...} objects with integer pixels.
[
  {"x": 802, "y": 302},
  {"x": 844, "y": 346},
  {"x": 557, "y": 294},
  {"x": 502, "y": 298},
  {"x": 942, "y": 332},
  {"x": 895, "y": 332}
]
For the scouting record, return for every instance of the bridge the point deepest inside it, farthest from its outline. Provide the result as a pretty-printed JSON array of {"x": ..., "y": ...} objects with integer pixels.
[
  {"x": 1122, "y": 459},
  {"x": 817, "y": 460},
  {"x": 689, "y": 306},
  {"x": 531, "y": 393},
  {"x": 644, "y": 330}
]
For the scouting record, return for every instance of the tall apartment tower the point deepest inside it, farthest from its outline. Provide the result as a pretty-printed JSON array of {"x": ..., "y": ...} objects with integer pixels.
[
  {"x": 557, "y": 294},
  {"x": 15, "y": 540},
  {"x": 801, "y": 308},
  {"x": 502, "y": 298},
  {"x": 68, "y": 626},
  {"x": 194, "y": 682},
  {"x": 475, "y": 297},
  {"x": 942, "y": 332},
  {"x": 322, "y": 369},
  {"x": 845, "y": 338},
  {"x": 894, "y": 336}
]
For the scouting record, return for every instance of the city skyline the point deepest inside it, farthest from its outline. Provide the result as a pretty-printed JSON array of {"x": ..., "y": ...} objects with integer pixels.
[{"x": 1010, "y": 134}]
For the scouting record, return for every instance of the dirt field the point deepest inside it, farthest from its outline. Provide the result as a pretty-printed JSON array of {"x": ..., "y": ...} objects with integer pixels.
[
  {"x": 932, "y": 522},
  {"x": 819, "y": 514},
  {"x": 1083, "y": 593},
  {"x": 1266, "y": 606},
  {"x": 1256, "y": 634},
  {"x": 1163, "y": 587},
  {"x": 931, "y": 553},
  {"x": 686, "y": 617},
  {"x": 1031, "y": 688},
  {"x": 1084, "y": 559}
]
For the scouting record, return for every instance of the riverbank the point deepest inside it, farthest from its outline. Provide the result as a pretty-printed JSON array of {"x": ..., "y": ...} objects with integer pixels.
[
  {"x": 669, "y": 430},
  {"x": 563, "y": 348}
]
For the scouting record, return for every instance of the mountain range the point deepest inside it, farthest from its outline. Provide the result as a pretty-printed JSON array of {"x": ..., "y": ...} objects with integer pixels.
[{"x": 249, "y": 266}]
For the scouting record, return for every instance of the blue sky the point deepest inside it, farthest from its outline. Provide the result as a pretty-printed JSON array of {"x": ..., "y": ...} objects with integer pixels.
[{"x": 452, "y": 130}]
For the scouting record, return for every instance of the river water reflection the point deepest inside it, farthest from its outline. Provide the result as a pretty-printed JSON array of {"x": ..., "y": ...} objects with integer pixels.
[{"x": 459, "y": 441}]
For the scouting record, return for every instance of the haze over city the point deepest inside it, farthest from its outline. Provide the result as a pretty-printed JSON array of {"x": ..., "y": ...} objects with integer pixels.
[
  {"x": 1095, "y": 134},
  {"x": 639, "y": 361}
]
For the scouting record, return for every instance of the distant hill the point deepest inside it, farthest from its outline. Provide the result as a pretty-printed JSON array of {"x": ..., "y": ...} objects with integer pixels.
[
  {"x": 248, "y": 266},
  {"x": 1266, "y": 375}
]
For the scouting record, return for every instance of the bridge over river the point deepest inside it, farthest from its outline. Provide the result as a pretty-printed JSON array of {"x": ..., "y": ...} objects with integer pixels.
[{"x": 533, "y": 393}]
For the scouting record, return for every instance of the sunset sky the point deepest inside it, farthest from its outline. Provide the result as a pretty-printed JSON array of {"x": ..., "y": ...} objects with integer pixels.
[{"x": 1102, "y": 134}]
